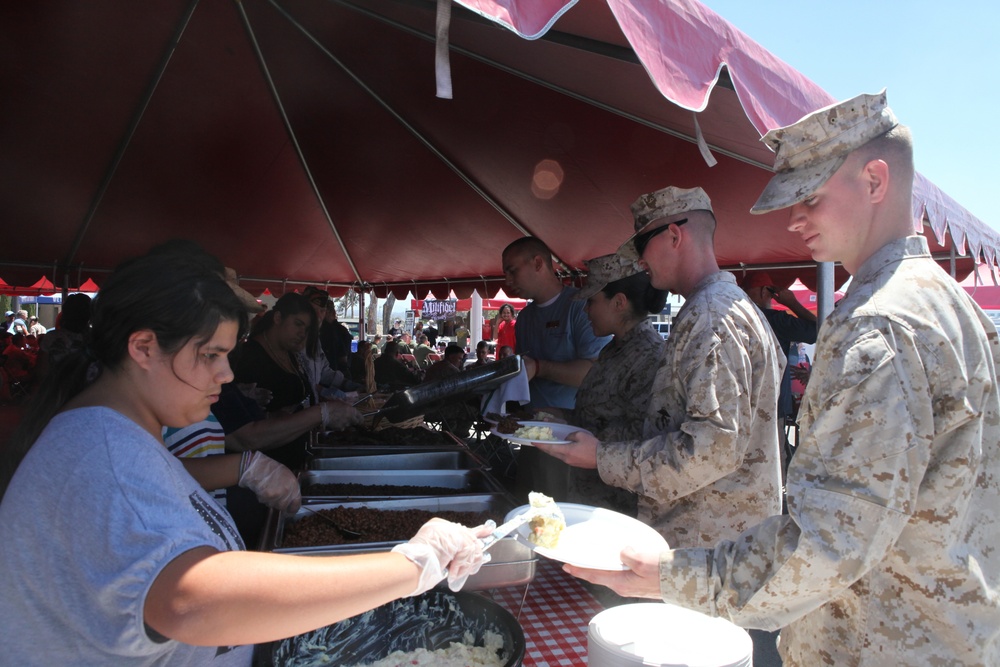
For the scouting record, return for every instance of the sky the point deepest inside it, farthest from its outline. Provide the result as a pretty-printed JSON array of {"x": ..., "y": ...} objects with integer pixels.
[{"x": 935, "y": 59}]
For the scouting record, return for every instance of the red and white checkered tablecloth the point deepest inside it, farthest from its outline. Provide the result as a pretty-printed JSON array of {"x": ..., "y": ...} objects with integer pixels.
[{"x": 555, "y": 616}]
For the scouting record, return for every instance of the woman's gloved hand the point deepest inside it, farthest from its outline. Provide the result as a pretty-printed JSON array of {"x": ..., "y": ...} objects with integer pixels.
[
  {"x": 274, "y": 484},
  {"x": 445, "y": 549},
  {"x": 338, "y": 416}
]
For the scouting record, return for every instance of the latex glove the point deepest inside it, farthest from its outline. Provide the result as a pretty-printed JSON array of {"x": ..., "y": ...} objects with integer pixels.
[
  {"x": 445, "y": 549},
  {"x": 338, "y": 416},
  {"x": 259, "y": 395},
  {"x": 274, "y": 484}
]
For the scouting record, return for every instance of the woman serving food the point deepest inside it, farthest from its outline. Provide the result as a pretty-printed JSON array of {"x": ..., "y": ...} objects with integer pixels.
[{"x": 121, "y": 557}]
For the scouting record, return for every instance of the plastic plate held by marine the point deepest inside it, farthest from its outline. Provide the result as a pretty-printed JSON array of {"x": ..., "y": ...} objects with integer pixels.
[
  {"x": 560, "y": 433},
  {"x": 594, "y": 537}
]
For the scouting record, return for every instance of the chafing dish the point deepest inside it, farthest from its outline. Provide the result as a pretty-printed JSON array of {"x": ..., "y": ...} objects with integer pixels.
[
  {"x": 419, "y": 458},
  {"x": 457, "y": 481},
  {"x": 512, "y": 563}
]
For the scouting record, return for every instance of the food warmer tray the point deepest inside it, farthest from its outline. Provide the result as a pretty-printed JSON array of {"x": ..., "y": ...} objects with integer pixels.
[
  {"x": 463, "y": 482},
  {"x": 417, "y": 436},
  {"x": 393, "y": 459},
  {"x": 512, "y": 563}
]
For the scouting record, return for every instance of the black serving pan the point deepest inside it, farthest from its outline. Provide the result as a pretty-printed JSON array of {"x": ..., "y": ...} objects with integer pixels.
[{"x": 431, "y": 621}]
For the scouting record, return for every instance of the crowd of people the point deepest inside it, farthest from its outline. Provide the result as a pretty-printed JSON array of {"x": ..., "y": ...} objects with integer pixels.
[
  {"x": 28, "y": 349},
  {"x": 881, "y": 554}
]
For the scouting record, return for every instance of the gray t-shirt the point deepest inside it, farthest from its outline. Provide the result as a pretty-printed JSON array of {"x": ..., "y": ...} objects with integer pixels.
[{"x": 98, "y": 508}]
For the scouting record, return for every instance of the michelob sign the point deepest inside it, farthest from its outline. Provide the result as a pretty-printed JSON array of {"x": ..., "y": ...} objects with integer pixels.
[{"x": 439, "y": 310}]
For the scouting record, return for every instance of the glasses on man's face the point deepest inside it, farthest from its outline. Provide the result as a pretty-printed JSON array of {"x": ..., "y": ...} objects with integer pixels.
[{"x": 642, "y": 240}]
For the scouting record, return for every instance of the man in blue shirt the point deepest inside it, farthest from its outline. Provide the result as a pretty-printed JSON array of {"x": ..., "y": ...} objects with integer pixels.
[{"x": 556, "y": 344}]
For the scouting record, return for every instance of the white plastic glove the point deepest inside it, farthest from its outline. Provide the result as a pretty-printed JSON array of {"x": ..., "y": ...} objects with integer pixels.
[
  {"x": 338, "y": 416},
  {"x": 445, "y": 549},
  {"x": 274, "y": 484}
]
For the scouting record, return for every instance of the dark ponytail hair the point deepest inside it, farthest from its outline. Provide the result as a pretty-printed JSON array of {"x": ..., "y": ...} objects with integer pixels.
[
  {"x": 175, "y": 291},
  {"x": 290, "y": 303},
  {"x": 642, "y": 297}
]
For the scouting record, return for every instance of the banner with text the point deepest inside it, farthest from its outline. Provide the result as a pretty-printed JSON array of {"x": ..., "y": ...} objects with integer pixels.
[{"x": 439, "y": 309}]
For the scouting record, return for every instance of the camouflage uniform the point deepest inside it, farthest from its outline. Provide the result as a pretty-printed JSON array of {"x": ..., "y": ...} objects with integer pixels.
[
  {"x": 709, "y": 466},
  {"x": 889, "y": 553},
  {"x": 611, "y": 404}
]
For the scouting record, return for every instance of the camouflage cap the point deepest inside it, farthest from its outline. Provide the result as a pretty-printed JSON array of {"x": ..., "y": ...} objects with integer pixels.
[
  {"x": 811, "y": 150},
  {"x": 606, "y": 269},
  {"x": 664, "y": 203}
]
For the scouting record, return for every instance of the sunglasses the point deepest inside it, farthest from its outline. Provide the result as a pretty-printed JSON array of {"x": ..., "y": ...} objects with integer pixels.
[{"x": 642, "y": 240}]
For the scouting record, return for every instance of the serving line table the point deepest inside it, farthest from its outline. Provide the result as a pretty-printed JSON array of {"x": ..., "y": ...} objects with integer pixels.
[{"x": 555, "y": 616}]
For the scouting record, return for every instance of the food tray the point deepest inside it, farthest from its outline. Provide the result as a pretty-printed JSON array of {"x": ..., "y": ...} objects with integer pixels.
[
  {"x": 495, "y": 503},
  {"x": 334, "y": 452},
  {"x": 460, "y": 482},
  {"x": 512, "y": 563},
  {"x": 420, "y": 436},
  {"x": 393, "y": 459}
]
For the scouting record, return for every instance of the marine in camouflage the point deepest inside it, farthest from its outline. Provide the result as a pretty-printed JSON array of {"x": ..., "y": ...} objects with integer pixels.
[
  {"x": 707, "y": 464},
  {"x": 888, "y": 555},
  {"x": 611, "y": 403}
]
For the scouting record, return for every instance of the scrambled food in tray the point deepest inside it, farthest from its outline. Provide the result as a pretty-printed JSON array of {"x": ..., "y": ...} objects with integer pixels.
[
  {"x": 539, "y": 433},
  {"x": 548, "y": 523},
  {"x": 374, "y": 525}
]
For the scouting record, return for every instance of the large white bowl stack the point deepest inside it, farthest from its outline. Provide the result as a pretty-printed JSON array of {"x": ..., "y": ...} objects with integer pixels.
[{"x": 665, "y": 635}]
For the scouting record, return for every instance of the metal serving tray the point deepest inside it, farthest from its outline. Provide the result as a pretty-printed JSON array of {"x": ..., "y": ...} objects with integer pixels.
[
  {"x": 512, "y": 563},
  {"x": 339, "y": 451},
  {"x": 393, "y": 459},
  {"x": 462, "y": 481},
  {"x": 420, "y": 436}
]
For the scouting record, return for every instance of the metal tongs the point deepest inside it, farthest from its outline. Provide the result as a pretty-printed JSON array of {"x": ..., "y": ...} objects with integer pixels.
[{"x": 508, "y": 527}]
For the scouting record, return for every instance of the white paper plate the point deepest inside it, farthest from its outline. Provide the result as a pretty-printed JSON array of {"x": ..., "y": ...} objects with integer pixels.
[
  {"x": 594, "y": 537},
  {"x": 559, "y": 433}
]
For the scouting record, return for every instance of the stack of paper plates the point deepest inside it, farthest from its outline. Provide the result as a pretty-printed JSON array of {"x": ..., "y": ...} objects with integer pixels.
[{"x": 667, "y": 636}]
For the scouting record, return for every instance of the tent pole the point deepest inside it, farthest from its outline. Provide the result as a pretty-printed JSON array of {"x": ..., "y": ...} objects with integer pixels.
[
  {"x": 476, "y": 321},
  {"x": 824, "y": 291},
  {"x": 129, "y": 133},
  {"x": 458, "y": 171},
  {"x": 294, "y": 139}
]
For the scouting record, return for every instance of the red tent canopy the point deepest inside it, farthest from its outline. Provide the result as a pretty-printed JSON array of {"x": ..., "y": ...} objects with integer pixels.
[
  {"x": 88, "y": 286},
  {"x": 42, "y": 287},
  {"x": 301, "y": 141},
  {"x": 987, "y": 296}
]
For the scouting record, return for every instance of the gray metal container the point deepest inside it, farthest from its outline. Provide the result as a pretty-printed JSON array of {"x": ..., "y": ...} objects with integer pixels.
[
  {"x": 512, "y": 563},
  {"x": 462, "y": 481},
  {"x": 418, "y": 459}
]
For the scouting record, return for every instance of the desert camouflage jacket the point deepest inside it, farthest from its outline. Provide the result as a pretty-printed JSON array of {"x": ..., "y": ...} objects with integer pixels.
[
  {"x": 709, "y": 464},
  {"x": 889, "y": 554},
  {"x": 611, "y": 402}
]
